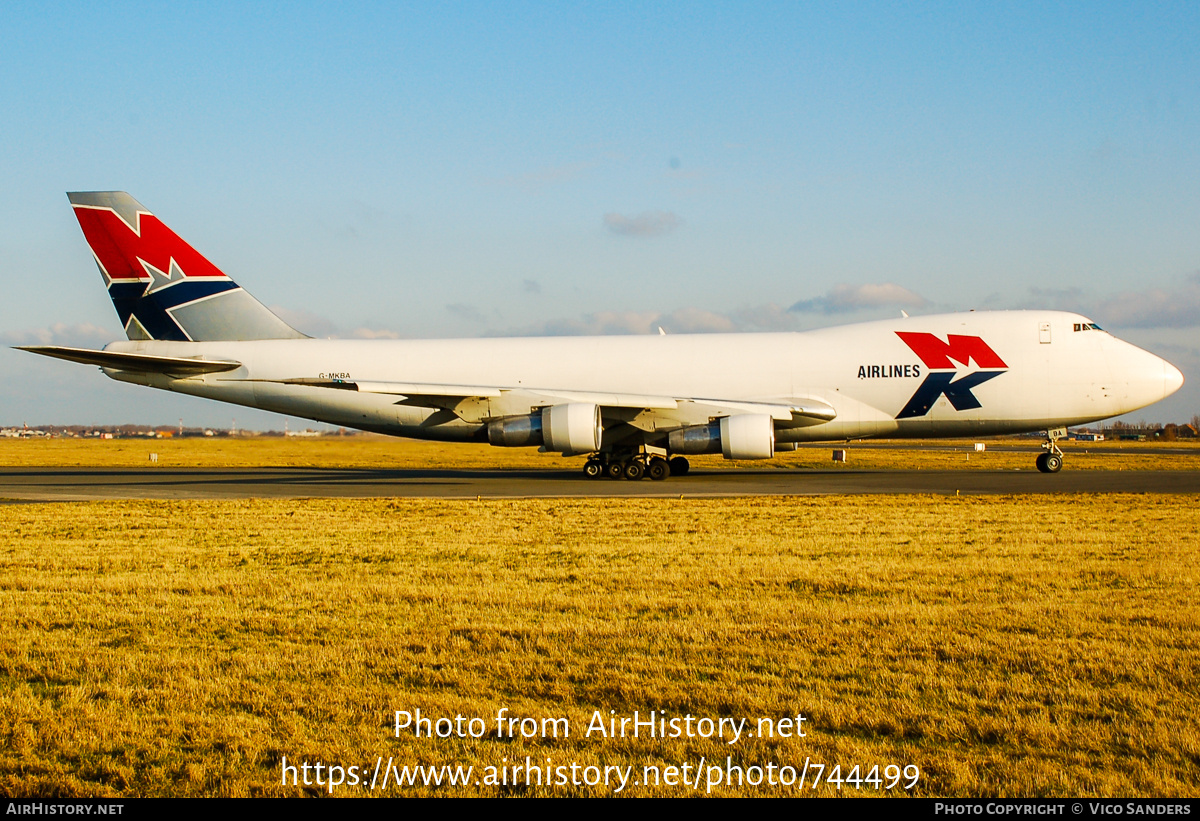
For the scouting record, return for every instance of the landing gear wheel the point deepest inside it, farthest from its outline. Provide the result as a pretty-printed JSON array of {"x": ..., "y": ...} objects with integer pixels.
[
  {"x": 1052, "y": 460},
  {"x": 634, "y": 470},
  {"x": 658, "y": 469},
  {"x": 1049, "y": 463},
  {"x": 679, "y": 466},
  {"x": 614, "y": 470},
  {"x": 593, "y": 469}
]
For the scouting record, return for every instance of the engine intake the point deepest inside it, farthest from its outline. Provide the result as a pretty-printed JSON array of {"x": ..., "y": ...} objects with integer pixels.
[
  {"x": 746, "y": 436},
  {"x": 571, "y": 428}
]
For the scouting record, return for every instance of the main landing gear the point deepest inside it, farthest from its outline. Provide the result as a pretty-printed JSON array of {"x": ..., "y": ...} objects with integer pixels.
[
  {"x": 1052, "y": 460},
  {"x": 634, "y": 466}
]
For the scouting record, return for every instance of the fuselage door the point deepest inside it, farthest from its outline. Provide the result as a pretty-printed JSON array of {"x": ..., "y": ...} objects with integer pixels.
[{"x": 1044, "y": 333}]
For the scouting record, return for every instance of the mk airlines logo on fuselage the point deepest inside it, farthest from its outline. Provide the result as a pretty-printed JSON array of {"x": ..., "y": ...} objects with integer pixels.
[
  {"x": 940, "y": 358},
  {"x": 148, "y": 269}
]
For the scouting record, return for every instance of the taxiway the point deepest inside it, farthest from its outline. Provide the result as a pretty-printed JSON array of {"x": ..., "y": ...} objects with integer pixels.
[{"x": 62, "y": 484}]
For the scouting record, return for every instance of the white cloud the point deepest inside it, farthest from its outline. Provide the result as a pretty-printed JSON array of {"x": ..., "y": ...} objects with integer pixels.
[
  {"x": 610, "y": 323},
  {"x": 82, "y": 335},
  {"x": 546, "y": 176},
  {"x": 321, "y": 327},
  {"x": 467, "y": 312},
  {"x": 768, "y": 317},
  {"x": 696, "y": 321},
  {"x": 604, "y": 323},
  {"x": 648, "y": 224},
  {"x": 306, "y": 322},
  {"x": 1177, "y": 307},
  {"x": 847, "y": 298},
  {"x": 373, "y": 333},
  {"x": 1174, "y": 306}
]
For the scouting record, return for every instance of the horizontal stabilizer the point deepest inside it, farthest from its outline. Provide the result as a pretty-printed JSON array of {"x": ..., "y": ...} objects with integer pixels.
[{"x": 142, "y": 363}]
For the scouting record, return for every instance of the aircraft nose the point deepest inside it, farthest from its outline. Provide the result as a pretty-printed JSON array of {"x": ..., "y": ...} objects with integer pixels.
[
  {"x": 1157, "y": 379},
  {"x": 1172, "y": 379},
  {"x": 1147, "y": 378}
]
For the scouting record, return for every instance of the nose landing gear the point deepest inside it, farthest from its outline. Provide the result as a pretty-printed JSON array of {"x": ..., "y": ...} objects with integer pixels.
[{"x": 1052, "y": 460}]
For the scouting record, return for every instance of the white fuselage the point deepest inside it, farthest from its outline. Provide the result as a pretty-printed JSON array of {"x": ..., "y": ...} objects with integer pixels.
[{"x": 1052, "y": 375}]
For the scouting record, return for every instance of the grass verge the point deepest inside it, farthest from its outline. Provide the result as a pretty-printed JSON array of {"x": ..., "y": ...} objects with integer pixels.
[
  {"x": 390, "y": 453},
  {"x": 1028, "y": 646}
]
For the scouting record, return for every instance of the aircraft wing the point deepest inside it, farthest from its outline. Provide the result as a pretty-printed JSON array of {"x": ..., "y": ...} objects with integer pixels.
[
  {"x": 143, "y": 363},
  {"x": 475, "y": 403},
  {"x": 792, "y": 412}
]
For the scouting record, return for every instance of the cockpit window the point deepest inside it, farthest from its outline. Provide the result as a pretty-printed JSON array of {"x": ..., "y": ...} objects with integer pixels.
[{"x": 1087, "y": 326}]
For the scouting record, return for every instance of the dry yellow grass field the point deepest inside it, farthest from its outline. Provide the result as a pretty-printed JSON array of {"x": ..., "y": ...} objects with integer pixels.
[
  {"x": 386, "y": 452},
  {"x": 1021, "y": 646}
]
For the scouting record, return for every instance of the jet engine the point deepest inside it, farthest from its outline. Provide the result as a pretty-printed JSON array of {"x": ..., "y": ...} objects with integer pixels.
[
  {"x": 746, "y": 436},
  {"x": 572, "y": 428}
]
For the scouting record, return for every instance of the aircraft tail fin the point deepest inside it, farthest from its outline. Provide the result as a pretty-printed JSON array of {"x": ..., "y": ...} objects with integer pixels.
[{"x": 161, "y": 287}]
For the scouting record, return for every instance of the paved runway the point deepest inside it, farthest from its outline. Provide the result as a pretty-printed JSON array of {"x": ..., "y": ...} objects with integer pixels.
[{"x": 59, "y": 484}]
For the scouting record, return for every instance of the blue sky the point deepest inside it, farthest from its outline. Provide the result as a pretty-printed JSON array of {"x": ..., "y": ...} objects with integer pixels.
[{"x": 481, "y": 169}]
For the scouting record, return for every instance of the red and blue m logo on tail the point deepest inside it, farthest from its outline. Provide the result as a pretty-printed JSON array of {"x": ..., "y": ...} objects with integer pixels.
[
  {"x": 939, "y": 357},
  {"x": 161, "y": 287}
]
